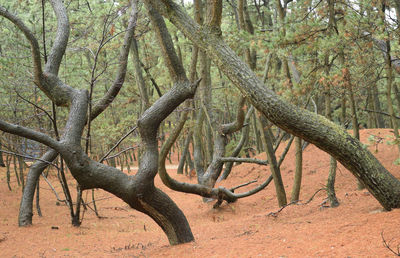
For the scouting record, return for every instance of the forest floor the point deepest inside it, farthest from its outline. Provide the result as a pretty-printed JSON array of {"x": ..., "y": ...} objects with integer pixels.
[{"x": 242, "y": 229}]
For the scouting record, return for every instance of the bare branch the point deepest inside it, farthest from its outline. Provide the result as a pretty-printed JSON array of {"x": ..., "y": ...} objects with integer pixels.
[
  {"x": 387, "y": 245},
  {"x": 36, "y": 106},
  {"x": 246, "y": 160},
  {"x": 60, "y": 42},
  {"x": 242, "y": 185},
  {"x": 117, "y": 144},
  {"x": 32, "y": 40},
  {"x": 105, "y": 101},
  {"x": 29, "y": 133},
  {"x": 53, "y": 189},
  {"x": 30, "y": 157},
  {"x": 380, "y": 112},
  {"x": 238, "y": 123},
  {"x": 220, "y": 193},
  {"x": 125, "y": 150}
]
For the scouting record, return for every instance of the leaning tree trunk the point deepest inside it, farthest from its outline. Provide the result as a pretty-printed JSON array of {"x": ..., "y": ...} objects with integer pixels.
[
  {"x": 275, "y": 170},
  {"x": 299, "y": 122}
]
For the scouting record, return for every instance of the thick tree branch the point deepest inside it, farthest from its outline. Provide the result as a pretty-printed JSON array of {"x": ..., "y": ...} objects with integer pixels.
[
  {"x": 61, "y": 40},
  {"x": 214, "y": 14},
  {"x": 238, "y": 123},
  {"x": 106, "y": 100},
  {"x": 29, "y": 133},
  {"x": 171, "y": 59},
  {"x": 37, "y": 64}
]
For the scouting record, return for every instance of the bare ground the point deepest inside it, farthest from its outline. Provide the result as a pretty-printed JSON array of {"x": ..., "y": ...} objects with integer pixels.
[{"x": 241, "y": 229}]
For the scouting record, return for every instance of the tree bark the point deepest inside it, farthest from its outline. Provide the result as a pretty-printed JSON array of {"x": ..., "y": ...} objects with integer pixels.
[
  {"x": 299, "y": 122},
  {"x": 299, "y": 171},
  {"x": 26, "y": 204}
]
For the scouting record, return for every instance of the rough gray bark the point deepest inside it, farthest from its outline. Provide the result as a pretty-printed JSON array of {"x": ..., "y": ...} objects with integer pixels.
[
  {"x": 139, "y": 190},
  {"x": 302, "y": 123},
  {"x": 25, "y": 214}
]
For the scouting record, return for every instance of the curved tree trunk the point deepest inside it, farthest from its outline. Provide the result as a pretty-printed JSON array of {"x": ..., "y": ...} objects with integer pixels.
[
  {"x": 299, "y": 122},
  {"x": 26, "y": 205}
]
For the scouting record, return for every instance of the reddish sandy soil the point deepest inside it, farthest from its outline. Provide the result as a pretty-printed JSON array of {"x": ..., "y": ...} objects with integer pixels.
[{"x": 241, "y": 229}]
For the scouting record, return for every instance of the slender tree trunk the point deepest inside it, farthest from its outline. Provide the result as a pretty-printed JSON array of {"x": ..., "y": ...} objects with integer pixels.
[
  {"x": 331, "y": 183},
  {"x": 39, "y": 211},
  {"x": 8, "y": 172},
  {"x": 21, "y": 166},
  {"x": 276, "y": 173},
  {"x": 356, "y": 129},
  {"x": 377, "y": 107},
  {"x": 389, "y": 85},
  {"x": 15, "y": 167},
  {"x": 343, "y": 109},
  {"x": 330, "y": 186},
  {"x": 299, "y": 170},
  {"x": 184, "y": 152},
  {"x": 259, "y": 144},
  {"x": 371, "y": 115},
  {"x": 25, "y": 209},
  {"x": 1, "y": 157},
  {"x": 144, "y": 98}
]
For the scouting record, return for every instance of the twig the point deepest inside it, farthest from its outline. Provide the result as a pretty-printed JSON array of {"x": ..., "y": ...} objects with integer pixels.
[
  {"x": 29, "y": 157},
  {"x": 101, "y": 199},
  {"x": 245, "y": 160},
  {"x": 387, "y": 245},
  {"x": 116, "y": 145},
  {"x": 312, "y": 197},
  {"x": 54, "y": 190},
  {"x": 242, "y": 185},
  {"x": 275, "y": 214},
  {"x": 119, "y": 153},
  {"x": 36, "y": 106},
  {"x": 380, "y": 112}
]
